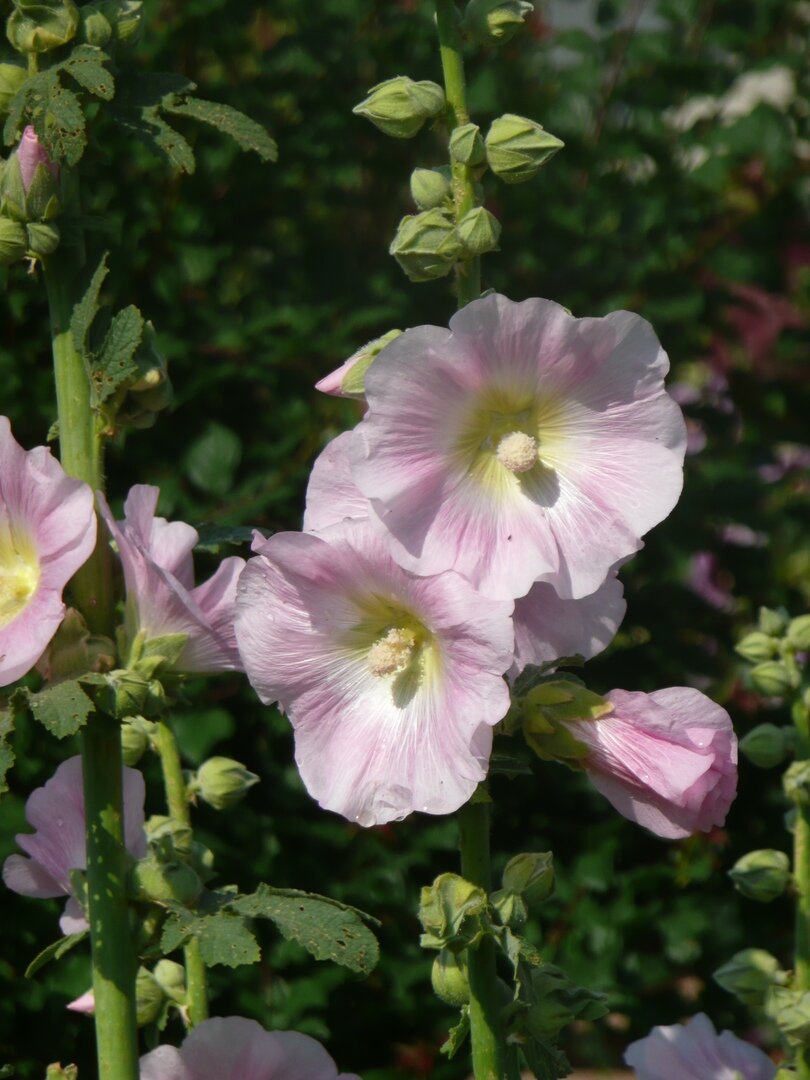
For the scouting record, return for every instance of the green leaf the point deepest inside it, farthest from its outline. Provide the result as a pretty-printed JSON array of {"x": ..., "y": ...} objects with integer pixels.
[
  {"x": 212, "y": 461},
  {"x": 61, "y": 128},
  {"x": 224, "y": 937},
  {"x": 62, "y": 708},
  {"x": 86, "y": 66},
  {"x": 115, "y": 361},
  {"x": 457, "y": 1036},
  {"x": 6, "y": 753},
  {"x": 153, "y": 131},
  {"x": 245, "y": 132},
  {"x": 545, "y": 1060},
  {"x": 35, "y": 91},
  {"x": 88, "y": 307},
  {"x": 54, "y": 951},
  {"x": 326, "y": 929}
]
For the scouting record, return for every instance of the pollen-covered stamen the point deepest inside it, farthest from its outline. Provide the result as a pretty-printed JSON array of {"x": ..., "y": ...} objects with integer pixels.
[
  {"x": 517, "y": 451},
  {"x": 392, "y": 652}
]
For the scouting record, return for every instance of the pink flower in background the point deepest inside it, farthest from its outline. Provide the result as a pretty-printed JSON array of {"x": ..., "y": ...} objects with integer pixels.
[
  {"x": 47, "y": 531},
  {"x": 520, "y": 445},
  {"x": 233, "y": 1048},
  {"x": 30, "y": 154},
  {"x": 694, "y": 1051},
  {"x": 392, "y": 682},
  {"x": 666, "y": 760},
  {"x": 161, "y": 596},
  {"x": 56, "y": 812}
]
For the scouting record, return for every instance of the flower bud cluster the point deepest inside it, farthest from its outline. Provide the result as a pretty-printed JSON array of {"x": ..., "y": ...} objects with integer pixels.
[
  {"x": 51, "y": 24},
  {"x": 776, "y": 648}
]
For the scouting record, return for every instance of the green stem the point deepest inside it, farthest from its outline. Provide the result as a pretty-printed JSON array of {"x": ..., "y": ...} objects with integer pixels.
[
  {"x": 468, "y": 273},
  {"x": 486, "y": 1033},
  {"x": 177, "y": 799},
  {"x": 801, "y": 872},
  {"x": 113, "y": 958}
]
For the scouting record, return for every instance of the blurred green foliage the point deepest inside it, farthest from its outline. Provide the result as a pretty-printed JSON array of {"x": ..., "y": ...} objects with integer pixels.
[{"x": 683, "y": 194}]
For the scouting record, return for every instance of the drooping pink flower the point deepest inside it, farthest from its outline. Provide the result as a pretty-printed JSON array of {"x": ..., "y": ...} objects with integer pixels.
[
  {"x": 233, "y": 1048},
  {"x": 521, "y": 445},
  {"x": 392, "y": 681},
  {"x": 694, "y": 1051},
  {"x": 666, "y": 760},
  {"x": 47, "y": 531},
  {"x": 56, "y": 812},
  {"x": 161, "y": 596},
  {"x": 30, "y": 154}
]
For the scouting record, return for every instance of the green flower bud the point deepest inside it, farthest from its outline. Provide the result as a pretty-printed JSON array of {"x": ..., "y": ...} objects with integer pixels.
[
  {"x": 762, "y": 875},
  {"x": 496, "y": 21},
  {"x": 517, "y": 148},
  {"x": 400, "y": 106},
  {"x": 449, "y": 978},
  {"x": 466, "y": 145},
  {"x": 171, "y": 978},
  {"x": 451, "y": 910},
  {"x": 771, "y": 678},
  {"x": 426, "y": 245},
  {"x": 796, "y": 782},
  {"x": 750, "y": 974},
  {"x": 136, "y": 735},
  {"x": 798, "y": 633},
  {"x": 223, "y": 782},
  {"x": 773, "y": 622},
  {"x": 531, "y": 875},
  {"x": 767, "y": 745},
  {"x": 166, "y": 882},
  {"x": 349, "y": 379},
  {"x": 790, "y": 1011},
  {"x": 41, "y": 26},
  {"x": 510, "y": 907},
  {"x": 430, "y": 187},
  {"x": 149, "y": 998},
  {"x": 13, "y": 241},
  {"x": 12, "y": 76},
  {"x": 757, "y": 647},
  {"x": 42, "y": 239},
  {"x": 479, "y": 231},
  {"x": 94, "y": 26},
  {"x": 129, "y": 22}
]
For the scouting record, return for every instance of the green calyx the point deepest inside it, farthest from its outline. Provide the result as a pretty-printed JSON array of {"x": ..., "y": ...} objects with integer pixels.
[
  {"x": 453, "y": 913},
  {"x": 531, "y": 875},
  {"x": 479, "y": 232},
  {"x": 427, "y": 245},
  {"x": 545, "y": 712},
  {"x": 41, "y": 27},
  {"x": 762, "y": 875},
  {"x": 467, "y": 145},
  {"x": 517, "y": 148},
  {"x": 494, "y": 22},
  {"x": 399, "y": 106},
  {"x": 768, "y": 745},
  {"x": 750, "y": 974},
  {"x": 353, "y": 384},
  {"x": 222, "y": 782}
]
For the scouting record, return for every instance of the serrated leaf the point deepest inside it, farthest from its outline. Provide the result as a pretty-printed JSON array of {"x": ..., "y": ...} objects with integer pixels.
[
  {"x": 62, "y": 708},
  {"x": 245, "y": 132},
  {"x": 457, "y": 1036},
  {"x": 55, "y": 951},
  {"x": 61, "y": 129},
  {"x": 115, "y": 361},
  {"x": 6, "y": 753},
  {"x": 326, "y": 929},
  {"x": 546, "y": 1061},
  {"x": 88, "y": 307},
  {"x": 224, "y": 938},
  {"x": 86, "y": 66},
  {"x": 31, "y": 97},
  {"x": 152, "y": 130}
]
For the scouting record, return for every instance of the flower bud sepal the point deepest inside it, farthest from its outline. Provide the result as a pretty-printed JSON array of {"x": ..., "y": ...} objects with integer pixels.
[
  {"x": 762, "y": 875},
  {"x": 222, "y": 782},
  {"x": 517, "y": 148}
]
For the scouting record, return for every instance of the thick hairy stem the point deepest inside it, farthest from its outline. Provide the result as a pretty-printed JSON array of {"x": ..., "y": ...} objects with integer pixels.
[
  {"x": 114, "y": 962},
  {"x": 801, "y": 872},
  {"x": 177, "y": 800}
]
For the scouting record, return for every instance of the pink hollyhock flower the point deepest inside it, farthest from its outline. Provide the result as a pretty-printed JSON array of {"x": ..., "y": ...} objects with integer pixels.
[
  {"x": 85, "y": 1003},
  {"x": 161, "y": 596},
  {"x": 521, "y": 445},
  {"x": 392, "y": 682},
  {"x": 666, "y": 760},
  {"x": 694, "y": 1051},
  {"x": 47, "y": 531},
  {"x": 30, "y": 154},
  {"x": 233, "y": 1048},
  {"x": 56, "y": 811}
]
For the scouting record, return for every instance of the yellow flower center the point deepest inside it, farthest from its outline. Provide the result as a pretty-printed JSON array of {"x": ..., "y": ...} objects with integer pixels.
[
  {"x": 19, "y": 571},
  {"x": 517, "y": 451},
  {"x": 392, "y": 652}
]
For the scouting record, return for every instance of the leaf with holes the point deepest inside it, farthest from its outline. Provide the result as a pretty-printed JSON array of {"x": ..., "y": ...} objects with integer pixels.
[
  {"x": 151, "y": 129},
  {"x": 115, "y": 361},
  {"x": 245, "y": 132},
  {"x": 88, "y": 307},
  {"x": 63, "y": 708},
  {"x": 61, "y": 129},
  {"x": 224, "y": 937},
  {"x": 86, "y": 66},
  {"x": 6, "y": 753}
]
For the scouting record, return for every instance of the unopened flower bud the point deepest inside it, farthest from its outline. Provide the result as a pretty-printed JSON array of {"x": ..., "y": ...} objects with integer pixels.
[
  {"x": 757, "y": 647},
  {"x": 166, "y": 882},
  {"x": 94, "y": 26},
  {"x": 467, "y": 145},
  {"x": 149, "y": 998},
  {"x": 449, "y": 978},
  {"x": 129, "y": 22},
  {"x": 223, "y": 782},
  {"x": 136, "y": 735},
  {"x": 496, "y": 21},
  {"x": 767, "y": 745},
  {"x": 750, "y": 974},
  {"x": 426, "y": 245},
  {"x": 61, "y": 1072},
  {"x": 400, "y": 106},
  {"x": 171, "y": 978},
  {"x": 798, "y": 633},
  {"x": 13, "y": 241},
  {"x": 761, "y": 875},
  {"x": 771, "y": 678},
  {"x": 796, "y": 782},
  {"x": 790, "y": 1011},
  {"x": 430, "y": 187},
  {"x": 531, "y": 874},
  {"x": 349, "y": 379},
  {"x": 479, "y": 232},
  {"x": 40, "y": 27},
  {"x": 510, "y": 908},
  {"x": 42, "y": 239},
  {"x": 773, "y": 621},
  {"x": 517, "y": 148},
  {"x": 12, "y": 76}
]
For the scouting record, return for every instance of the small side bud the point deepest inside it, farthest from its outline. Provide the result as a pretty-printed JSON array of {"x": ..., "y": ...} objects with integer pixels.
[
  {"x": 796, "y": 782},
  {"x": 426, "y": 245},
  {"x": 62, "y": 1072},
  {"x": 771, "y": 678},
  {"x": 773, "y": 621},
  {"x": 166, "y": 882},
  {"x": 12, "y": 76},
  {"x": 430, "y": 187},
  {"x": 467, "y": 145},
  {"x": 761, "y": 875},
  {"x": 757, "y": 647},
  {"x": 136, "y": 736},
  {"x": 149, "y": 998},
  {"x": 494, "y": 22},
  {"x": 449, "y": 978},
  {"x": 94, "y": 26},
  {"x": 42, "y": 239},
  {"x": 39, "y": 28},
  {"x": 517, "y": 148},
  {"x": 171, "y": 978},
  {"x": 531, "y": 874},
  {"x": 349, "y": 379},
  {"x": 479, "y": 232},
  {"x": 400, "y": 106},
  {"x": 223, "y": 782},
  {"x": 13, "y": 241},
  {"x": 129, "y": 22},
  {"x": 798, "y": 633},
  {"x": 750, "y": 974},
  {"x": 767, "y": 745}
]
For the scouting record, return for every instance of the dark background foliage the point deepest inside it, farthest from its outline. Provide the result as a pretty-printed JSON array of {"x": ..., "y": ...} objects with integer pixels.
[{"x": 260, "y": 279}]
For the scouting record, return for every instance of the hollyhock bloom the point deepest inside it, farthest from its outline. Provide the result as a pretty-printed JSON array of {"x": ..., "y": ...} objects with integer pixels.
[
  {"x": 521, "y": 445},
  {"x": 47, "y": 531},
  {"x": 694, "y": 1051},
  {"x": 30, "y": 154},
  {"x": 56, "y": 811},
  {"x": 233, "y": 1048},
  {"x": 666, "y": 760},
  {"x": 161, "y": 596},
  {"x": 392, "y": 682}
]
